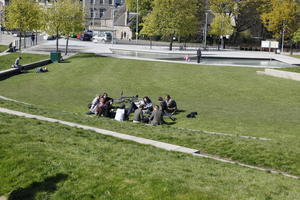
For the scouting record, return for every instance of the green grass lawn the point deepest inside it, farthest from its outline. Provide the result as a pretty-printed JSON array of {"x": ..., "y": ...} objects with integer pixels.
[
  {"x": 294, "y": 69},
  {"x": 3, "y": 48},
  {"x": 8, "y": 60},
  {"x": 228, "y": 99},
  {"x": 42, "y": 160}
]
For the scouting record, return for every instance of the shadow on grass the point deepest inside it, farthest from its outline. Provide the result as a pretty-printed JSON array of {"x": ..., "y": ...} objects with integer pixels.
[{"x": 28, "y": 193}]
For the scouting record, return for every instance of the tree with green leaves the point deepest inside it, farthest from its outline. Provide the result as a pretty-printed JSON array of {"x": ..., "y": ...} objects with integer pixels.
[
  {"x": 172, "y": 18},
  {"x": 245, "y": 13},
  {"x": 221, "y": 27},
  {"x": 73, "y": 20},
  {"x": 282, "y": 19},
  {"x": 23, "y": 15},
  {"x": 63, "y": 18}
]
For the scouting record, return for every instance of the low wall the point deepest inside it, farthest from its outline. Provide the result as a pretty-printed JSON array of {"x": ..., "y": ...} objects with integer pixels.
[
  {"x": 13, "y": 71},
  {"x": 281, "y": 74}
]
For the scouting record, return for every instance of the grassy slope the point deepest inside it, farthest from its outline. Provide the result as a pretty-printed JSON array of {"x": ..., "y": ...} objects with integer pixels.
[
  {"x": 3, "y": 48},
  {"x": 228, "y": 99},
  {"x": 52, "y": 161},
  {"x": 8, "y": 60}
]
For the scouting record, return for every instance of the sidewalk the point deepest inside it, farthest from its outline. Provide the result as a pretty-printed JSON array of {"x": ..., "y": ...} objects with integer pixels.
[{"x": 77, "y": 46}]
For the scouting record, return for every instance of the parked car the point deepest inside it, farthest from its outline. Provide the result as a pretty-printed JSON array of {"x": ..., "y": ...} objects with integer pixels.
[
  {"x": 86, "y": 37},
  {"x": 49, "y": 37},
  {"x": 103, "y": 37}
]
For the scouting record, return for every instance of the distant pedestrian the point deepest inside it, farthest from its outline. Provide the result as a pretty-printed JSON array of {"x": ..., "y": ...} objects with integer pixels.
[
  {"x": 199, "y": 54},
  {"x": 32, "y": 39}
]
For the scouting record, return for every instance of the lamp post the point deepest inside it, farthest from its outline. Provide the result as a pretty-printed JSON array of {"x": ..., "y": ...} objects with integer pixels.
[
  {"x": 137, "y": 21},
  {"x": 205, "y": 29},
  {"x": 282, "y": 40},
  {"x": 93, "y": 16}
]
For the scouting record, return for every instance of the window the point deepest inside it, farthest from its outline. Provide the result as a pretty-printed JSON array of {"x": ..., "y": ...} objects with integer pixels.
[
  {"x": 101, "y": 1},
  {"x": 102, "y": 12},
  {"x": 92, "y": 13},
  {"x": 92, "y": 1},
  {"x": 110, "y": 2}
]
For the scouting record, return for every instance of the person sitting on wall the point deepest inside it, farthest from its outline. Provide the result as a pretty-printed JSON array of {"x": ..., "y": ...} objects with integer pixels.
[{"x": 17, "y": 64}]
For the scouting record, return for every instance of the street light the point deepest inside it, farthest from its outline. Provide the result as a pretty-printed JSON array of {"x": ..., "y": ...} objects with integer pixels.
[
  {"x": 205, "y": 29},
  {"x": 137, "y": 21},
  {"x": 93, "y": 16},
  {"x": 282, "y": 40}
]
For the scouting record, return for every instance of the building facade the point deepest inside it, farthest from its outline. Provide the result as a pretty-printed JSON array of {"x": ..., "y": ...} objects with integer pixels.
[
  {"x": 104, "y": 16},
  {"x": 108, "y": 16}
]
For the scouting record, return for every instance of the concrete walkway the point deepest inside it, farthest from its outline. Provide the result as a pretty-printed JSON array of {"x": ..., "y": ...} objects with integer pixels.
[
  {"x": 77, "y": 46},
  {"x": 161, "y": 145}
]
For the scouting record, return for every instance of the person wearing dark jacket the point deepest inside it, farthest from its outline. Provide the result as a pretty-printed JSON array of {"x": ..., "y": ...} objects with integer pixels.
[{"x": 199, "y": 54}]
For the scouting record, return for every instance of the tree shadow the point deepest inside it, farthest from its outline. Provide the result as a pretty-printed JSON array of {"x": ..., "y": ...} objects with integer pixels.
[{"x": 28, "y": 193}]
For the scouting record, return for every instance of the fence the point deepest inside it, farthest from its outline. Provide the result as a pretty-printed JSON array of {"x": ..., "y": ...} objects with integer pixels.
[{"x": 27, "y": 42}]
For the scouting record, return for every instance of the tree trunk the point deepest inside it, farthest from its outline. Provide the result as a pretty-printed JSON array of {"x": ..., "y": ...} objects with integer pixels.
[
  {"x": 222, "y": 42},
  {"x": 20, "y": 40},
  {"x": 218, "y": 41},
  {"x": 24, "y": 40},
  {"x": 291, "y": 47},
  {"x": 171, "y": 44},
  {"x": 56, "y": 40},
  {"x": 36, "y": 38},
  {"x": 150, "y": 42},
  {"x": 67, "y": 44}
]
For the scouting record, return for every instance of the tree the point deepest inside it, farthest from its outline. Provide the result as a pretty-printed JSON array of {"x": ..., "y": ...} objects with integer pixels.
[
  {"x": 221, "y": 26},
  {"x": 23, "y": 15},
  {"x": 282, "y": 19},
  {"x": 144, "y": 8},
  {"x": 172, "y": 18},
  {"x": 59, "y": 18},
  {"x": 245, "y": 13},
  {"x": 150, "y": 29},
  {"x": 73, "y": 20},
  {"x": 296, "y": 36}
]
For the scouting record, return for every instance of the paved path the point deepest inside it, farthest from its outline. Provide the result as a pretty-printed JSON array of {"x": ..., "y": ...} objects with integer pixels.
[
  {"x": 161, "y": 145},
  {"x": 77, "y": 46}
]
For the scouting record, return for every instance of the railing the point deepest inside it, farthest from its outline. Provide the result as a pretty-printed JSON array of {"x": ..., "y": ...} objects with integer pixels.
[{"x": 27, "y": 42}]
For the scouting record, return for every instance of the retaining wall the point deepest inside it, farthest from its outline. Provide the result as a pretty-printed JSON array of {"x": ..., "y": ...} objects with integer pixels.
[
  {"x": 281, "y": 74},
  {"x": 13, "y": 71}
]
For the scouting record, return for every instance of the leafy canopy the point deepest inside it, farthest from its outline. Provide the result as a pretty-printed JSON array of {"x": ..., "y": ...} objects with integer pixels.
[
  {"x": 172, "y": 18},
  {"x": 282, "y": 15},
  {"x": 221, "y": 25}
]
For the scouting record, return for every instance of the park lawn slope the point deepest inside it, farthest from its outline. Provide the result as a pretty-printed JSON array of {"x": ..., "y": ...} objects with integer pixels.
[
  {"x": 7, "y": 60},
  {"x": 3, "y": 48},
  {"x": 41, "y": 160},
  {"x": 228, "y": 99},
  {"x": 293, "y": 69}
]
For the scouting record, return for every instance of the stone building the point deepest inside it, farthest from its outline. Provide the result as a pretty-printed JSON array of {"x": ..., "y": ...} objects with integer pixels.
[
  {"x": 108, "y": 16},
  {"x": 101, "y": 16}
]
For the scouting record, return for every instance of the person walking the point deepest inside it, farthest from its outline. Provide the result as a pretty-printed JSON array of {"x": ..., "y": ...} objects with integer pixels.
[
  {"x": 199, "y": 54},
  {"x": 32, "y": 39}
]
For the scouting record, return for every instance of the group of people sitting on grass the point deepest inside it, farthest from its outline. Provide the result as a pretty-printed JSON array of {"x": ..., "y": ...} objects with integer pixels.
[{"x": 143, "y": 110}]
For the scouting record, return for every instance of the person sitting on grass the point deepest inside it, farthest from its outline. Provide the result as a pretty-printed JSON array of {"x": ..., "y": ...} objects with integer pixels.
[
  {"x": 135, "y": 105},
  {"x": 138, "y": 114},
  {"x": 104, "y": 106},
  {"x": 164, "y": 108},
  {"x": 93, "y": 105},
  {"x": 156, "y": 118},
  {"x": 148, "y": 108},
  {"x": 171, "y": 104}
]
